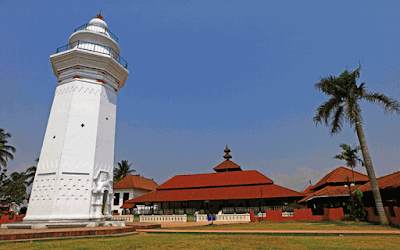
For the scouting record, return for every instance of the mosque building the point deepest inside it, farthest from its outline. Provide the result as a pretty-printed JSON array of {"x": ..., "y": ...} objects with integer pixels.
[{"x": 229, "y": 189}]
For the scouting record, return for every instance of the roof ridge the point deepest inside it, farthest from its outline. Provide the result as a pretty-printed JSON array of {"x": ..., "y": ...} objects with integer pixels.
[
  {"x": 216, "y": 173},
  {"x": 332, "y": 173},
  {"x": 397, "y": 172},
  {"x": 287, "y": 188}
]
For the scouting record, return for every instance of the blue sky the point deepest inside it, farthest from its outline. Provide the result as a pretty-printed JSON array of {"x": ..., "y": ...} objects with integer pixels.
[{"x": 204, "y": 74}]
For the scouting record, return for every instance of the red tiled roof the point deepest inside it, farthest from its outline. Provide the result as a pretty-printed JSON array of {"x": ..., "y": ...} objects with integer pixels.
[
  {"x": 134, "y": 181},
  {"x": 127, "y": 205},
  {"x": 329, "y": 191},
  {"x": 308, "y": 190},
  {"x": 339, "y": 175},
  {"x": 217, "y": 193},
  {"x": 227, "y": 165},
  {"x": 390, "y": 180},
  {"x": 222, "y": 179}
]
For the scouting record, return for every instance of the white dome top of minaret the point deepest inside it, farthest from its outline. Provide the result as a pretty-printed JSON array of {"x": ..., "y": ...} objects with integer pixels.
[
  {"x": 96, "y": 32},
  {"x": 97, "y": 21}
]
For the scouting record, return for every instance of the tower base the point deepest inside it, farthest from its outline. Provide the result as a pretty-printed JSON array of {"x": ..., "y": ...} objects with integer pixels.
[{"x": 62, "y": 224}]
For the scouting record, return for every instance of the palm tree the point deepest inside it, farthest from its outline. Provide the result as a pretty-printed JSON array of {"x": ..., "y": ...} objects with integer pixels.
[
  {"x": 350, "y": 156},
  {"x": 122, "y": 170},
  {"x": 5, "y": 149},
  {"x": 343, "y": 105},
  {"x": 355, "y": 204},
  {"x": 31, "y": 172}
]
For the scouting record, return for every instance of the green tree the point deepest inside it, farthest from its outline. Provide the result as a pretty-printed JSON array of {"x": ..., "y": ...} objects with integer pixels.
[
  {"x": 356, "y": 205},
  {"x": 14, "y": 188},
  {"x": 349, "y": 154},
  {"x": 31, "y": 172},
  {"x": 343, "y": 105},
  {"x": 122, "y": 170},
  {"x": 5, "y": 150}
]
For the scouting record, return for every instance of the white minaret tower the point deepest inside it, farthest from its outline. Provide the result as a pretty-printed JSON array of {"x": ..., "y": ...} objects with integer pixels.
[{"x": 74, "y": 178}]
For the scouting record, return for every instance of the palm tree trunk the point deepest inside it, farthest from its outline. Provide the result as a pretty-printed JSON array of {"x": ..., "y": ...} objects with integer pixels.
[{"x": 371, "y": 175}]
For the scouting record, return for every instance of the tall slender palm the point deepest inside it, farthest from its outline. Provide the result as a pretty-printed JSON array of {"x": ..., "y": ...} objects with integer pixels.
[
  {"x": 31, "y": 172},
  {"x": 349, "y": 154},
  {"x": 122, "y": 170},
  {"x": 343, "y": 105},
  {"x": 5, "y": 150}
]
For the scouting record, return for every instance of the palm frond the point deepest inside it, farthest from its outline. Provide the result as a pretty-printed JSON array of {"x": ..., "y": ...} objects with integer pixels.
[
  {"x": 345, "y": 146},
  {"x": 325, "y": 110},
  {"x": 390, "y": 105},
  {"x": 337, "y": 121}
]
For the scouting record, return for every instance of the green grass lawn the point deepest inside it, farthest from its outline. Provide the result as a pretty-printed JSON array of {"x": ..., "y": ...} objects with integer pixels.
[
  {"x": 295, "y": 225},
  {"x": 212, "y": 241}
]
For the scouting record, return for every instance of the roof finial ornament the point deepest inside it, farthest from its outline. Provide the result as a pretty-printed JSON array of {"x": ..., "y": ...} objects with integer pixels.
[
  {"x": 227, "y": 156},
  {"x": 99, "y": 15}
]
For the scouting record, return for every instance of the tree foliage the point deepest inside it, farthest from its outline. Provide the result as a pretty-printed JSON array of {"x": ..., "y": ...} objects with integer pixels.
[
  {"x": 344, "y": 100},
  {"x": 349, "y": 154},
  {"x": 31, "y": 172},
  {"x": 13, "y": 189},
  {"x": 122, "y": 170},
  {"x": 5, "y": 149}
]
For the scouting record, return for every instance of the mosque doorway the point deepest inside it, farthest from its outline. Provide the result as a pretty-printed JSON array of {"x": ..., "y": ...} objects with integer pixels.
[{"x": 104, "y": 204}]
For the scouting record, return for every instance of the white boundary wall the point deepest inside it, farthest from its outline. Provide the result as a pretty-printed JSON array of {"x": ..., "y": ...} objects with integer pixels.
[
  {"x": 223, "y": 217},
  {"x": 232, "y": 217},
  {"x": 163, "y": 218},
  {"x": 127, "y": 218}
]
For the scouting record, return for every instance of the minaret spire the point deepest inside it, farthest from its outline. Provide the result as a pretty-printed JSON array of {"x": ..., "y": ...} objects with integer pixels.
[
  {"x": 99, "y": 16},
  {"x": 227, "y": 165},
  {"x": 227, "y": 156}
]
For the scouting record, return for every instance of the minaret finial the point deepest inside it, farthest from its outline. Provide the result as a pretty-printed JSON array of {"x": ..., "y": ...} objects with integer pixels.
[
  {"x": 227, "y": 156},
  {"x": 99, "y": 16}
]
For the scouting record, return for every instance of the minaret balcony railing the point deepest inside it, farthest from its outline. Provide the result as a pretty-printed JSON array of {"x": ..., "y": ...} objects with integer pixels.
[
  {"x": 96, "y": 48},
  {"x": 96, "y": 28}
]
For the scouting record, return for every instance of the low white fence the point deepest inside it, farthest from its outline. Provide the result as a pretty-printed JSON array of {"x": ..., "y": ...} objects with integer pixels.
[
  {"x": 261, "y": 215},
  {"x": 183, "y": 218},
  {"x": 200, "y": 217},
  {"x": 127, "y": 218},
  {"x": 223, "y": 217},
  {"x": 232, "y": 217},
  {"x": 287, "y": 214},
  {"x": 284, "y": 214},
  {"x": 163, "y": 218}
]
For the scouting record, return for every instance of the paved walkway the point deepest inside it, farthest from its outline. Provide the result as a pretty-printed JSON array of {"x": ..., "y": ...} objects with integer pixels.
[
  {"x": 283, "y": 232},
  {"x": 24, "y": 234}
]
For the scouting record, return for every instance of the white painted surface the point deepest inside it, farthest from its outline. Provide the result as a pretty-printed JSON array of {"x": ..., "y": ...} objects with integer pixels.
[
  {"x": 133, "y": 193},
  {"x": 287, "y": 214},
  {"x": 232, "y": 217},
  {"x": 223, "y": 217},
  {"x": 163, "y": 218},
  {"x": 95, "y": 33},
  {"x": 200, "y": 217},
  {"x": 127, "y": 218},
  {"x": 75, "y": 169}
]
